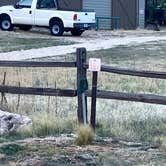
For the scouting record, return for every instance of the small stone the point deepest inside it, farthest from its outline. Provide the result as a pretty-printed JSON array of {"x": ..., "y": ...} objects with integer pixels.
[{"x": 84, "y": 157}]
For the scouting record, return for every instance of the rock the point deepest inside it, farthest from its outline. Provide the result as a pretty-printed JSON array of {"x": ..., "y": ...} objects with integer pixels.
[
  {"x": 11, "y": 122},
  {"x": 84, "y": 157},
  {"x": 131, "y": 144}
]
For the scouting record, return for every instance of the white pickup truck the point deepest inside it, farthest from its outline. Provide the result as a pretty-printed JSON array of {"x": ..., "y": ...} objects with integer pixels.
[{"x": 45, "y": 13}]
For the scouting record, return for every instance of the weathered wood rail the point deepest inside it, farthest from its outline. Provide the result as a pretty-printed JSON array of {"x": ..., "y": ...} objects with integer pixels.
[
  {"x": 138, "y": 73},
  {"x": 144, "y": 98},
  {"x": 36, "y": 64},
  {"x": 38, "y": 91},
  {"x": 82, "y": 91}
]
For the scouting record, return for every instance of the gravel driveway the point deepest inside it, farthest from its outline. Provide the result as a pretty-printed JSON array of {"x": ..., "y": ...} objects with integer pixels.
[{"x": 91, "y": 40}]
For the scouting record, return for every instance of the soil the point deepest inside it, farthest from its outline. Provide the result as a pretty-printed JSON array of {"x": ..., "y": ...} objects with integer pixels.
[{"x": 59, "y": 151}]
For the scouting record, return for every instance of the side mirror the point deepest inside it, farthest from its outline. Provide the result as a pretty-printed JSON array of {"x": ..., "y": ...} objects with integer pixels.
[{"x": 16, "y": 6}]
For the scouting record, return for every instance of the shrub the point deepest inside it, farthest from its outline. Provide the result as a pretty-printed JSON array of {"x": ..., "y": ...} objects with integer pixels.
[{"x": 85, "y": 135}]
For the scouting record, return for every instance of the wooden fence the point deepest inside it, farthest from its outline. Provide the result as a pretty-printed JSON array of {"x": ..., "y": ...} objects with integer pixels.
[{"x": 82, "y": 91}]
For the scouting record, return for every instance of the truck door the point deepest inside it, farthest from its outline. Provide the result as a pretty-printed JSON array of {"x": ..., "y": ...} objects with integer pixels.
[
  {"x": 22, "y": 13},
  {"x": 44, "y": 10}
]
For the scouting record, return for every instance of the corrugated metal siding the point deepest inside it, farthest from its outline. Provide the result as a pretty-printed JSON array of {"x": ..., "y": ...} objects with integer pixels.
[
  {"x": 141, "y": 13},
  {"x": 102, "y": 8},
  {"x": 127, "y": 11}
]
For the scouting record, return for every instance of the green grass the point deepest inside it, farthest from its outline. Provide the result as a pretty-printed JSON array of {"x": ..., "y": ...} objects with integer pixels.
[
  {"x": 149, "y": 56},
  {"x": 11, "y": 149}
]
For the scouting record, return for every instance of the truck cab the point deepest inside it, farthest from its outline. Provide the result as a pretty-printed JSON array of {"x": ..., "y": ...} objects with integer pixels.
[{"x": 45, "y": 13}]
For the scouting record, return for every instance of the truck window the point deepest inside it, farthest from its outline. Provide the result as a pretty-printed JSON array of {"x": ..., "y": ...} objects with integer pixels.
[
  {"x": 49, "y": 4},
  {"x": 24, "y": 4}
]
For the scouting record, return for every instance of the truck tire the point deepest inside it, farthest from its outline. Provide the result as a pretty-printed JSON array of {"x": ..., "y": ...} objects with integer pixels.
[
  {"x": 25, "y": 27},
  {"x": 76, "y": 32},
  {"x": 5, "y": 24},
  {"x": 56, "y": 28}
]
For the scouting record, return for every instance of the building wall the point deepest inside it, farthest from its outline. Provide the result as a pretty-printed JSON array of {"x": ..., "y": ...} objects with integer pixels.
[
  {"x": 141, "y": 14},
  {"x": 131, "y": 12},
  {"x": 102, "y": 8},
  {"x": 127, "y": 11}
]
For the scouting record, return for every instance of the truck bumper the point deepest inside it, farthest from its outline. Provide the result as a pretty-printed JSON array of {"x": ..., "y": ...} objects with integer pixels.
[{"x": 84, "y": 26}]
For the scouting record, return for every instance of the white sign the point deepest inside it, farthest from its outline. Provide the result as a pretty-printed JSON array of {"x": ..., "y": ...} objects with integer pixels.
[{"x": 94, "y": 64}]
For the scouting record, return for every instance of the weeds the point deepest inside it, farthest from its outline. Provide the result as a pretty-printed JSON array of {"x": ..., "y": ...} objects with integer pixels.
[
  {"x": 49, "y": 124},
  {"x": 44, "y": 124},
  {"x": 85, "y": 135},
  {"x": 11, "y": 149},
  {"x": 128, "y": 120}
]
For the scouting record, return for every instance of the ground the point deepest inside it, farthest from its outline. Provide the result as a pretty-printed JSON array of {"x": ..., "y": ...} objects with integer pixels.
[
  {"x": 137, "y": 122},
  {"x": 92, "y": 40},
  {"x": 58, "y": 151}
]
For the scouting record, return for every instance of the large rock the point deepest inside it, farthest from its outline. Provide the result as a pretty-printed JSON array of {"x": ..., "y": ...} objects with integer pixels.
[{"x": 10, "y": 122}]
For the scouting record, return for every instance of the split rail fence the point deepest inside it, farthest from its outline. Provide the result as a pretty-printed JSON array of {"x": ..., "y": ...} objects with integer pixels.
[{"x": 82, "y": 91}]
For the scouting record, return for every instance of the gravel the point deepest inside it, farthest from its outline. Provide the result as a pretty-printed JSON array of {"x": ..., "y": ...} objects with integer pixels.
[{"x": 91, "y": 40}]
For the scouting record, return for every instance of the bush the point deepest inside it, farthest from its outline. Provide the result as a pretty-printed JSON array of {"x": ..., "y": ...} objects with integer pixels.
[{"x": 85, "y": 135}]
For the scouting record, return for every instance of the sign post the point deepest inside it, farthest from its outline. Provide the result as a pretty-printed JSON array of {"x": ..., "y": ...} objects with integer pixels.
[{"x": 95, "y": 67}]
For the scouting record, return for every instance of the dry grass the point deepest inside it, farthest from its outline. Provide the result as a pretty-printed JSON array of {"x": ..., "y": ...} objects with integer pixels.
[
  {"x": 10, "y": 41},
  {"x": 85, "y": 135},
  {"x": 129, "y": 120}
]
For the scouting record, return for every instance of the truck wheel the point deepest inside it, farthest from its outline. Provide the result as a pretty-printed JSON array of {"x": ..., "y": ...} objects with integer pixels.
[
  {"x": 56, "y": 28},
  {"x": 5, "y": 24},
  {"x": 25, "y": 27},
  {"x": 76, "y": 32}
]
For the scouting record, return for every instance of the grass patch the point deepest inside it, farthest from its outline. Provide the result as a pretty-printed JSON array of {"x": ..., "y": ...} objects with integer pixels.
[
  {"x": 11, "y": 149},
  {"x": 10, "y": 42},
  {"x": 85, "y": 135},
  {"x": 148, "y": 56},
  {"x": 44, "y": 124},
  {"x": 50, "y": 124},
  {"x": 128, "y": 120},
  {"x": 148, "y": 130}
]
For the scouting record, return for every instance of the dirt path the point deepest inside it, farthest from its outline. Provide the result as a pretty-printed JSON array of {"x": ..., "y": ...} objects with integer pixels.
[
  {"x": 60, "y": 151},
  {"x": 92, "y": 40}
]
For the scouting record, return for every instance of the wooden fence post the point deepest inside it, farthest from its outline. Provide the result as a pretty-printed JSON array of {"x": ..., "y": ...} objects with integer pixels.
[
  {"x": 93, "y": 103},
  {"x": 3, "y": 94},
  {"x": 82, "y": 85},
  {"x": 95, "y": 67}
]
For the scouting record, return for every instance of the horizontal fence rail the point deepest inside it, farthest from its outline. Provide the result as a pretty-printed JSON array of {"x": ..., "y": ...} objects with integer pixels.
[
  {"x": 82, "y": 85},
  {"x": 38, "y": 91},
  {"x": 36, "y": 64},
  {"x": 145, "y": 98},
  {"x": 138, "y": 73}
]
